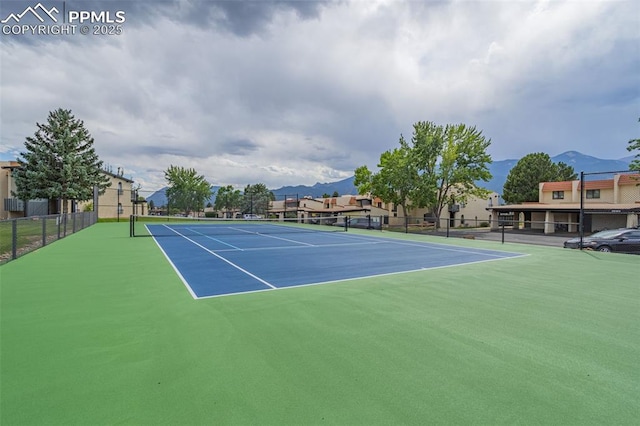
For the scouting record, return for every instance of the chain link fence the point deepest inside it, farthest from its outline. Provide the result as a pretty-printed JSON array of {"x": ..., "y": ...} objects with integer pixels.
[
  {"x": 504, "y": 228},
  {"x": 23, "y": 235}
]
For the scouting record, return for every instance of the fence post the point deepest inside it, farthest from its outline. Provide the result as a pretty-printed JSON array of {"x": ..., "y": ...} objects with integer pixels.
[
  {"x": 581, "y": 208},
  {"x": 44, "y": 231},
  {"x": 14, "y": 239}
]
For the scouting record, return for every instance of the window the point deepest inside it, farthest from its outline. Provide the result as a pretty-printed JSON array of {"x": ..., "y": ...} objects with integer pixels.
[
  {"x": 593, "y": 193},
  {"x": 119, "y": 188},
  {"x": 120, "y": 210},
  {"x": 379, "y": 204},
  {"x": 558, "y": 195}
]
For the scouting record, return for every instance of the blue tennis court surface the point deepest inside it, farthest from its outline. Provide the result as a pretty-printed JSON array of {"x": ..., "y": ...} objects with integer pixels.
[{"x": 244, "y": 259}]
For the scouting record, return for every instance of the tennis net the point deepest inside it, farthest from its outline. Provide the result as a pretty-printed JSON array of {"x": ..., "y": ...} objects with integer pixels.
[{"x": 165, "y": 226}]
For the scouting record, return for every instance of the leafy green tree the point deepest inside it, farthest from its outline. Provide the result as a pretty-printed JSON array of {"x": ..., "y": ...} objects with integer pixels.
[
  {"x": 59, "y": 163},
  {"x": 256, "y": 199},
  {"x": 187, "y": 190},
  {"x": 152, "y": 205},
  {"x": 325, "y": 195},
  {"x": 228, "y": 199},
  {"x": 395, "y": 180},
  {"x": 335, "y": 194},
  {"x": 634, "y": 145},
  {"x": 440, "y": 166},
  {"x": 523, "y": 181},
  {"x": 450, "y": 161},
  {"x": 363, "y": 181}
]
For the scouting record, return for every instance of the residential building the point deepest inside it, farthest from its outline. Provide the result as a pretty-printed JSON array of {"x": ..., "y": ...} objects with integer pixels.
[
  {"x": 607, "y": 204},
  {"x": 11, "y": 206},
  {"x": 345, "y": 205},
  {"x": 118, "y": 202},
  {"x": 120, "y": 199},
  {"x": 472, "y": 213}
]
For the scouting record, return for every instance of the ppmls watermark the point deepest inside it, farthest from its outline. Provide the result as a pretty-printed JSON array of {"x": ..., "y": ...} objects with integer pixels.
[{"x": 59, "y": 20}]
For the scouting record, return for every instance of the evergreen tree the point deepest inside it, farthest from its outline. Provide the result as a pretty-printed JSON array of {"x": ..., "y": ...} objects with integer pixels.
[
  {"x": 59, "y": 162},
  {"x": 634, "y": 145},
  {"x": 523, "y": 181}
]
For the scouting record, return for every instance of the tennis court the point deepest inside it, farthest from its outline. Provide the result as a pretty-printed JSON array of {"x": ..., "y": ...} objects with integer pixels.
[
  {"x": 98, "y": 329},
  {"x": 223, "y": 258}
]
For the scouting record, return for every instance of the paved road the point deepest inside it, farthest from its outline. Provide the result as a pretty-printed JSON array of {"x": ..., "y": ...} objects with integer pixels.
[{"x": 523, "y": 237}]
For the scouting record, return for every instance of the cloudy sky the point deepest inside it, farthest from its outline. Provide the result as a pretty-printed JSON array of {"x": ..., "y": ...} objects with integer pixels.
[{"x": 299, "y": 92}]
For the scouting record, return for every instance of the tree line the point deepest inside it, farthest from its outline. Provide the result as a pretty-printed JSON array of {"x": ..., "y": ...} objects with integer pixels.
[
  {"x": 439, "y": 166},
  {"x": 444, "y": 165}
]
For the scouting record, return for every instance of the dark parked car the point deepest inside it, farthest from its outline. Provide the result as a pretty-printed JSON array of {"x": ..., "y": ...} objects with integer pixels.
[
  {"x": 364, "y": 222},
  {"x": 625, "y": 240}
]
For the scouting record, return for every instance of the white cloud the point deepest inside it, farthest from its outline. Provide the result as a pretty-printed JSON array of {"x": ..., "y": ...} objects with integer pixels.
[{"x": 288, "y": 93}]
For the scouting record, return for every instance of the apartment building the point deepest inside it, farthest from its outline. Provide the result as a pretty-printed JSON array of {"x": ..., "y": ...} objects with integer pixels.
[
  {"x": 11, "y": 207},
  {"x": 608, "y": 204},
  {"x": 119, "y": 200},
  {"x": 345, "y": 205},
  {"x": 474, "y": 212}
]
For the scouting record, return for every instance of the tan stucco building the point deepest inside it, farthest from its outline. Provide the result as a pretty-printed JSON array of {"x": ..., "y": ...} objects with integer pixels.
[
  {"x": 118, "y": 201},
  {"x": 608, "y": 204}
]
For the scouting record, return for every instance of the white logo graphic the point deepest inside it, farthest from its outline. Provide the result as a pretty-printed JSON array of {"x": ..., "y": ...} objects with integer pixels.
[
  {"x": 33, "y": 11},
  {"x": 70, "y": 22}
]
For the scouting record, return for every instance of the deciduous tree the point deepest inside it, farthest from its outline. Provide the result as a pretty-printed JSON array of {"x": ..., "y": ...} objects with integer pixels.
[
  {"x": 395, "y": 180},
  {"x": 440, "y": 166},
  {"x": 256, "y": 199},
  {"x": 450, "y": 160},
  {"x": 228, "y": 199},
  {"x": 187, "y": 190},
  {"x": 60, "y": 163}
]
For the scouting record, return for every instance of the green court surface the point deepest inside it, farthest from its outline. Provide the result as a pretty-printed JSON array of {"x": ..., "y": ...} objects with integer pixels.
[{"x": 98, "y": 329}]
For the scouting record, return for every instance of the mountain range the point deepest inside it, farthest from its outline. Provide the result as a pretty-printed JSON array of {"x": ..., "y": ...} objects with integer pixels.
[{"x": 499, "y": 170}]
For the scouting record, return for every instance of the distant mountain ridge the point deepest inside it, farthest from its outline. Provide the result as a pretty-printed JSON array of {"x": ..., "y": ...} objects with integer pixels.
[
  {"x": 580, "y": 163},
  {"x": 499, "y": 170},
  {"x": 342, "y": 187}
]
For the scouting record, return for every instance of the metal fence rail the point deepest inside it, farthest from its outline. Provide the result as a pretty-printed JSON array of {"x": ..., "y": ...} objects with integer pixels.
[
  {"x": 504, "y": 229},
  {"x": 23, "y": 235}
]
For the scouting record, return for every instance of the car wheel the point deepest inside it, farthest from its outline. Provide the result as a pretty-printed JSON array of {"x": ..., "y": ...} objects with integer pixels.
[{"x": 606, "y": 249}]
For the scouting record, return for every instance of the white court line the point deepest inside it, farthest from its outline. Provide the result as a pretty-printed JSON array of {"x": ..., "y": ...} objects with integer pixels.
[
  {"x": 222, "y": 258},
  {"x": 364, "y": 277},
  {"x": 299, "y": 248},
  {"x": 271, "y": 236},
  {"x": 215, "y": 239},
  {"x": 184, "y": 281},
  {"x": 437, "y": 246},
  {"x": 364, "y": 239}
]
